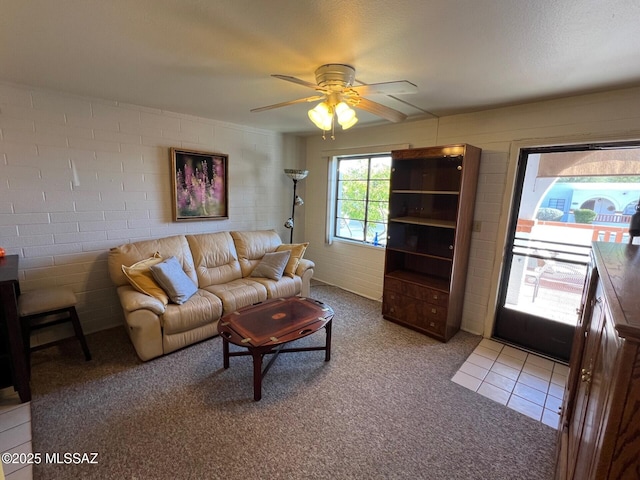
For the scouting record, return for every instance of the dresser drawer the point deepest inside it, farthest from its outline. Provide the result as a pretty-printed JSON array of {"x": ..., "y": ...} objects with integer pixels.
[
  {"x": 394, "y": 285},
  {"x": 433, "y": 318},
  {"x": 427, "y": 294},
  {"x": 400, "y": 307},
  {"x": 414, "y": 290},
  {"x": 437, "y": 298},
  {"x": 433, "y": 312},
  {"x": 393, "y": 305}
]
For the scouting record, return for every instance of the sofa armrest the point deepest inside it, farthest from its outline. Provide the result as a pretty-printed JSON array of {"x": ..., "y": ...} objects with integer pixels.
[
  {"x": 303, "y": 266},
  {"x": 305, "y": 272},
  {"x": 132, "y": 300}
]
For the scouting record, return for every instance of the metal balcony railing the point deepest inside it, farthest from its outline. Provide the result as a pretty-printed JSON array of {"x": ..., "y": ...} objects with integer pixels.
[{"x": 601, "y": 233}]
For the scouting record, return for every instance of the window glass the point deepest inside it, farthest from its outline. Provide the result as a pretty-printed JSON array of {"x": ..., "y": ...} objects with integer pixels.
[{"x": 362, "y": 198}]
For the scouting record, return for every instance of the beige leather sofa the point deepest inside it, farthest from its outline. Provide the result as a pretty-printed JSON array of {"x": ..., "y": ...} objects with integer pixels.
[{"x": 220, "y": 264}]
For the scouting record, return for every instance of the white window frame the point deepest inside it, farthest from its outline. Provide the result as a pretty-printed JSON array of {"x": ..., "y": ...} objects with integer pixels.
[
  {"x": 382, "y": 241},
  {"x": 332, "y": 185}
]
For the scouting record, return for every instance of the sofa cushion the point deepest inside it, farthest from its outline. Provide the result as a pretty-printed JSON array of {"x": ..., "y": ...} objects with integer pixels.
[
  {"x": 175, "y": 341},
  {"x": 140, "y": 276},
  {"x": 297, "y": 251},
  {"x": 201, "y": 309},
  {"x": 251, "y": 247},
  {"x": 130, "y": 253},
  {"x": 215, "y": 258},
  {"x": 173, "y": 280},
  {"x": 239, "y": 293},
  {"x": 272, "y": 265},
  {"x": 285, "y": 287}
]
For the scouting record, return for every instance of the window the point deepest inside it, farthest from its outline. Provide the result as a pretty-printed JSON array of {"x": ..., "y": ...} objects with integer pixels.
[
  {"x": 362, "y": 198},
  {"x": 557, "y": 203}
]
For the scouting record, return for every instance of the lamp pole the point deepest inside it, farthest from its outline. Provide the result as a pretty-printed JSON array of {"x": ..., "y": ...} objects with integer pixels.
[
  {"x": 294, "y": 175},
  {"x": 293, "y": 208}
]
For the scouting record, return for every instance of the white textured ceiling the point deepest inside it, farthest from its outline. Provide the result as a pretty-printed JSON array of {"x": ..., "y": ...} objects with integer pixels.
[{"x": 213, "y": 58}]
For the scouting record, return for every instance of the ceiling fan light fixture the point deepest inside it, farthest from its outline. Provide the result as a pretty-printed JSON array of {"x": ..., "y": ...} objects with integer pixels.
[
  {"x": 322, "y": 116},
  {"x": 335, "y": 90},
  {"x": 346, "y": 115}
]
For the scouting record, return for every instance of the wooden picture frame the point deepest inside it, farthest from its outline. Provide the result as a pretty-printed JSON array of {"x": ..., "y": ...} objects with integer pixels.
[{"x": 199, "y": 184}]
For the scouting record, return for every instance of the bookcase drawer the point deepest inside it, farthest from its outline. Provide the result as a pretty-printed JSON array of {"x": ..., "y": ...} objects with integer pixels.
[{"x": 419, "y": 292}]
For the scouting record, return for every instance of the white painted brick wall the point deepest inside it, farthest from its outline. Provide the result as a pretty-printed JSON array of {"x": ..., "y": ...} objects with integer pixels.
[
  {"x": 615, "y": 114},
  {"x": 121, "y": 153}
]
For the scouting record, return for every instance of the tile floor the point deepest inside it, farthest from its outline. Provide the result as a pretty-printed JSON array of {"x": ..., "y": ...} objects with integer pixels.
[
  {"x": 15, "y": 433},
  {"x": 527, "y": 383}
]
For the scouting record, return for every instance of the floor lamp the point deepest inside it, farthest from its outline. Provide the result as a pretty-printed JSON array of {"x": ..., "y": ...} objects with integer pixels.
[{"x": 294, "y": 175}]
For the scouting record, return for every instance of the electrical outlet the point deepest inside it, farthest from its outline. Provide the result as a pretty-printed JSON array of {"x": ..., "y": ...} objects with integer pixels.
[{"x": 477, "y": 226}]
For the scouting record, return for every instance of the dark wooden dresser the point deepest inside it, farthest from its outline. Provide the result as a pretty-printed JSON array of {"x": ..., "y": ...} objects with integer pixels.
[
  {"x": 600, "y": 422},
  {"x": 13, "y": 364}
]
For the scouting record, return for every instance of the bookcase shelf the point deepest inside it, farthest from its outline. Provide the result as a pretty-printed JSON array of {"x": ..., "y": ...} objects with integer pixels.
[
  {"x": 427, "y": 192},
  {"x": 425, "y": 221}
]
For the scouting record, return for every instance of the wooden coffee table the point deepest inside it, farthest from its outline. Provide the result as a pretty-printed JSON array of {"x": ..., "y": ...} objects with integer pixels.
[{"x": 264, "y": 328}]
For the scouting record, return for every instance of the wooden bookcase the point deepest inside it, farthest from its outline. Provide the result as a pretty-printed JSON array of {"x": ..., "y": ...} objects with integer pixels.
[{"x": 431, "y": 204}]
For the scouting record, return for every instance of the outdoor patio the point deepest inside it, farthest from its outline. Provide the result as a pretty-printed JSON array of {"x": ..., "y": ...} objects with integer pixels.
[
  {"x": 550, "y": 287},
  {"x": 553, "y": 303}
]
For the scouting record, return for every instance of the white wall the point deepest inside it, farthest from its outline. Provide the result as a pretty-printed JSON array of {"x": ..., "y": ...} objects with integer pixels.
[
  {"x": 63, "y": 232},
  {"x": 611, "y": 115}
]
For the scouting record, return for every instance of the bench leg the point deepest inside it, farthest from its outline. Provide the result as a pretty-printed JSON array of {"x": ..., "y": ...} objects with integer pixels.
[
  {"x": 26, "y": 342},
  {"x": 79, "y": 333}
]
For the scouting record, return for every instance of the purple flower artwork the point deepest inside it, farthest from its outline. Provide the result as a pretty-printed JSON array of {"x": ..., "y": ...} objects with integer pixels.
[{"x": 200, "y": 185}]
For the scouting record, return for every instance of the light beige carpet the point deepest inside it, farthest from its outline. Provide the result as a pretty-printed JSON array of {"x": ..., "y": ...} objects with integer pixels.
[{"x": 383, "y": 408}]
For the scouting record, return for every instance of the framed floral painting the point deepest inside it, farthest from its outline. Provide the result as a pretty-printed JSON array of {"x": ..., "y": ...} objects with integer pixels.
[{"x": 199, "y": 184}]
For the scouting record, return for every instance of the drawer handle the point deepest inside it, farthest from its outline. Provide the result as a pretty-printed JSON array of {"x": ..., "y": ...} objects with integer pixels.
[
  {"x": 586, "y": 375},
  {"x": 432, "y": 324},
  {"x": 435, "y": 297},
  {"x": 433, "y": 310},
  {"x": 392, "y": 309}
]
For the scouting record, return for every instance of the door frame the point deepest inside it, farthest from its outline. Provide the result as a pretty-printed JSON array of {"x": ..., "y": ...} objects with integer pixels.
[{"x": 502, "y": 235}]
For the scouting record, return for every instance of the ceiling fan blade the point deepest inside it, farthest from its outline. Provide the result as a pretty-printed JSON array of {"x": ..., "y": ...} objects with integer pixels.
[
  {"x": 379, "y": 110},
  {"x": 386, "y": 88},
  {"x": 290, "y": 102},
  {"x": 304, "y": 83}
]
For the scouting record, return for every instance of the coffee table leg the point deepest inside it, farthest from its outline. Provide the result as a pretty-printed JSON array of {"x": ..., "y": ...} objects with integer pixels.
[
  {"x": 225, "y": 352},
  {"x": 327, "y": 354},
  {"x": 257, "y": 375}
]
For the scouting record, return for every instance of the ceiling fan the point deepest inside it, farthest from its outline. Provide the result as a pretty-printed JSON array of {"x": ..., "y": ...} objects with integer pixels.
[{"x": 337, "y": 94}]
